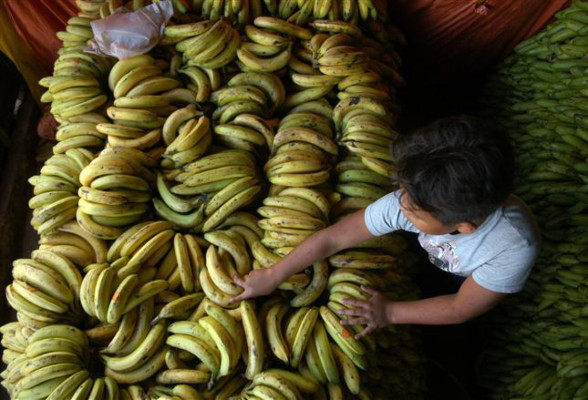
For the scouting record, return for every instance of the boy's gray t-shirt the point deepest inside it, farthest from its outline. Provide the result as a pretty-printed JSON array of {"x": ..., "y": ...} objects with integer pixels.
[{"x": 499, "y": 255}]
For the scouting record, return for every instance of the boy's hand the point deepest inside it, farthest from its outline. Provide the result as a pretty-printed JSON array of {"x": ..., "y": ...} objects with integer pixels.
[
  {"x": 371, "y": 313},
  {"x": 256, "y": 283}
]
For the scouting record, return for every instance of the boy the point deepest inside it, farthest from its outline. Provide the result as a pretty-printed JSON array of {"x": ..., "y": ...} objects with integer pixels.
[{"x": 455, "y": 178}]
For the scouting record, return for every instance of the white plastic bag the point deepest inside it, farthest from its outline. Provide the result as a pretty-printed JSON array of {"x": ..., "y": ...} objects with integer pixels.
[{"x": 126, "y": 34}]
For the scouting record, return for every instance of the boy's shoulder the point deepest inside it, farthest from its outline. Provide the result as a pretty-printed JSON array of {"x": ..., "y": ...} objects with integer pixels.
[{"x": 517, "y": 223}]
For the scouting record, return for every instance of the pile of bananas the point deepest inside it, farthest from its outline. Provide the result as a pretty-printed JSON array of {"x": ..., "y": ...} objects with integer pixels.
[
  {"x": 538, "y": 96},
  {"x": 190, "y": 123}
]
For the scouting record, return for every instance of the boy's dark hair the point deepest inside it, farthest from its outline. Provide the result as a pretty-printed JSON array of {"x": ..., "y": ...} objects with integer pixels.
[{"x": 458, "y": 168}]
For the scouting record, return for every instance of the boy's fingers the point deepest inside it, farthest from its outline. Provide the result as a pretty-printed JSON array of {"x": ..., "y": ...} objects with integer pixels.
[
  {"x": 369, "y": 290},
  {"x": 369, "y": 329},
  {"x": 355, "y": 302},
  {"x": 355, "y": 321},
  {"x": 352, "y": 312},
  {"x": 242, "y": 296},
  {"x": 239, "y": 281}
]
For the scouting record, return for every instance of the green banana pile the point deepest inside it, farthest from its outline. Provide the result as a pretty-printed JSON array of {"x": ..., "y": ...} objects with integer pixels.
[
  {"x": 155, "y": 198},
  {"x": 539, "y": 346}
]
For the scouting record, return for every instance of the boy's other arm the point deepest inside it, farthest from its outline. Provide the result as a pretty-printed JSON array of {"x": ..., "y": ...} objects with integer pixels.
[
  {"x": 469, "y": 302},
  {"x": 345, "y": 233}
]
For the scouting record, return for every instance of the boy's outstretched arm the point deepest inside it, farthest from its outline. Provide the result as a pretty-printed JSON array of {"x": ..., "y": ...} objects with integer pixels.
[
  {"x": 345, "y": 233},
  {"x": 469, "y": 302}
]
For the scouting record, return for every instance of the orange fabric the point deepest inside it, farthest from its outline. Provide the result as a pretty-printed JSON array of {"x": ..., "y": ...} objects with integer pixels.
[
  {"x": 20, "y": 54},
  {"x": 451, "y": 40},
  {"x": 37, "y": 26}
]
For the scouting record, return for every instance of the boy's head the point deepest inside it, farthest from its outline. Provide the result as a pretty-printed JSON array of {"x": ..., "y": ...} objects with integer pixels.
[{"x": 457, "y": 170}]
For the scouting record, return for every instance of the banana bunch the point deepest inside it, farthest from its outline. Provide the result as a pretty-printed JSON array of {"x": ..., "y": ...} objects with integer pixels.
[
  {"x": 352, "y": 11},
  {"x": 55, "y": 188},
  {"x": 154, "y": 251},
  {"x": 115, "y": 191},
  {"x": 246, "y": 131},
  {"x": 141, "y": 106},
  {"x": 289, "y": 345},
  {"x": 54, "y": 365},
  {"x": 124, "y": 338},
  {"x": 178, "y": 392},
  {"x": 226, "y": 257},
  {"x": 225, "y": 387},
  {"x": 365, "y": 112},
  {"x": 230, "y": 179},
  {"x": 271, "y": 86},
  {"x": 362, "y": 259},
  {"x": 235, "y": 100},
  {"x": 271, "y": 44},
  {"x": 357, "y": 185},
  {"x": 45, "y": 290},
  {"x": 267, "y": 50},
  {"x": 73, "y": 91},
  {"x": 265, "y": 43},
  {"x": 209, "y": 44},
  {"x": 182, "y": 264},
  {"x": 72, "y": 242},
  {"x": 108, "y": 7},
  {"x": 80, "y": 132},
  {"x": 235, "y": 12},
  {"x": 281, "y": 384},
  {"x": 187, "y": 137},
  {"x": 14, "y": 341},
  {"x": 183, "y": 212},
  {"x": 214, "y": 338},
  {"x": 302, "y": 149},
  {"x": 75, "y": 86},
  {"x": 143, "y": 361},
  {"x": 291, "y": 216},
  {"x": 89, "y": 8},
  {"x": 301, "y": 340},
  {"x": 363, "y": 99},
  {"x": 177, "y": 307},
  {"x": 200, "y": 82},
  {"x": 109, "y": 291},
  {"x": 308, "y": 84},
  {"x": 133, "y": 392},
  {"x": 142, "y": 101},
  {"x": 250, "y": 93},
  {"x": 368, "y": 84},
  {"x": 337, "y": 56}
]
